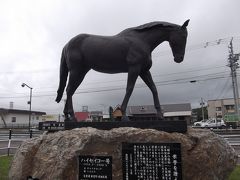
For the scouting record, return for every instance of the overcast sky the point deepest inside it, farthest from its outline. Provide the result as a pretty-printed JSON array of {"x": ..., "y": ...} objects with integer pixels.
[{"x": 33, "y": 33}]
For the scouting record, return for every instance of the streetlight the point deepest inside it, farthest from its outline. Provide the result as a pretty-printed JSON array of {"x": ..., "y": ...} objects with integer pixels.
[
  {"x": 30, "y": 105},
  {"x": 202, "y": 103}
]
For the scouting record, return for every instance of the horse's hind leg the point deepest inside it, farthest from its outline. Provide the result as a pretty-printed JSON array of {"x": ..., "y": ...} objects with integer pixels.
[
  {"x": 132, "y": 77},
  {"x": 75, "y": 78},
  {"x": 147, "y": 78}
]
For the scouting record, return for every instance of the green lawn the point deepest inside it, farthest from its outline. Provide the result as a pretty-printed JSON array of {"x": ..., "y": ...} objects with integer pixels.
[
  {"x": 4, "y": 166},
  {"x": 235, "y": 175},
  {"x": 6, "y": 160}
]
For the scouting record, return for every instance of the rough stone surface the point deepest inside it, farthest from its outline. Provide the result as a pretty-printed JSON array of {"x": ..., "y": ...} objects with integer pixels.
[{"x": 205, "y": 155}]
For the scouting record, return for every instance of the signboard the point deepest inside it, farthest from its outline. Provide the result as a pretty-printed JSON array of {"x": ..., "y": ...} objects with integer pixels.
[
  {"x": 152, "y": 161},
  {"x": 51, "y": 126},
  {"x": 95, "y": 168}
]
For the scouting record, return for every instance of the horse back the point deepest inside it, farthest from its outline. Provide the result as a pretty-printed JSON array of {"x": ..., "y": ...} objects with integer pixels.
[
  {"x": 108, "y": 54},
  {"x": 101, "y": 53}
]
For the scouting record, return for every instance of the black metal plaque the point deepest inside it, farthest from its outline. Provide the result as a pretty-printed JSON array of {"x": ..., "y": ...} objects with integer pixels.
[
  {"x": 51, "y": 126},
  {"x": 95, "y": 168},
  {"x": 151, "y": 161}
]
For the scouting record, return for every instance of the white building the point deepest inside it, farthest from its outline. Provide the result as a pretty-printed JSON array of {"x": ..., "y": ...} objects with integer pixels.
[
  {"x": 53, "y": 117},
  {"x": 220, "y": 107},
  {"x": 19, "y": 118}
]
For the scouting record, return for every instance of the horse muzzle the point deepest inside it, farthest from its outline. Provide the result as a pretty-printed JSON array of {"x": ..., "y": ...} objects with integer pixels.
[{"x": 178, "y": 59}]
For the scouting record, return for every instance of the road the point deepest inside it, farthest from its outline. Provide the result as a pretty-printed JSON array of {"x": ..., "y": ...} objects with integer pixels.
[
  {"x": 16, "y": 140},
  {"x": 14, "y": 146},
  {"x": 234, "y": 141}
]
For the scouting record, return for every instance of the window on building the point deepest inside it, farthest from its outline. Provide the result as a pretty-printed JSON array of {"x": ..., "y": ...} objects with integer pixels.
[
  {"x": 14, "y": 119},
  {"x": 37, "y": 117},
  {"x": 229, "y": 107},
  {"x": 219, "y": 116},
  {"x": 218, "y": 109},
  {"x": 181, "y": 117}
]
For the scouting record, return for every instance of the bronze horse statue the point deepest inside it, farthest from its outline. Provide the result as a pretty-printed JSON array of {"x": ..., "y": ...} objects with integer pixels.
[{"x": 129, "y": 51}]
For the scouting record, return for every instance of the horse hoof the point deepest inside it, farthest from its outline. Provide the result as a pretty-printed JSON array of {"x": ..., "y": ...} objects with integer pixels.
[
  {"x": 70, "y": 119},
  {"x": 124, "y": 118},
  {"x": 160, "y": 117}
]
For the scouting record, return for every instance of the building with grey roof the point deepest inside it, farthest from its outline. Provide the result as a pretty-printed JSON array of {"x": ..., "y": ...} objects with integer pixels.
[
  {"x": 19, "y": 118},
  {"x": 170, "y": 112}
]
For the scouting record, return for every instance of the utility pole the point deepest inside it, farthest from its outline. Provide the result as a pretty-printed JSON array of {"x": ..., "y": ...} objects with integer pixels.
[
  {"x": 232, "y": 63},
  {"x": 202, "y": 104}
]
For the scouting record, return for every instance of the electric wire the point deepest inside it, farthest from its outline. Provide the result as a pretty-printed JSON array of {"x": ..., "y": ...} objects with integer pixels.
[
  {"x": 120, "y": 88},
  {"x": 158, "y": 83},
  {"x": 224, "y": 88}
]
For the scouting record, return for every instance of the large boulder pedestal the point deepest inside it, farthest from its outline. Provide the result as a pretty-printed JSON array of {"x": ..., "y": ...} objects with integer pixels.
[{"x": 205, "y": 155}]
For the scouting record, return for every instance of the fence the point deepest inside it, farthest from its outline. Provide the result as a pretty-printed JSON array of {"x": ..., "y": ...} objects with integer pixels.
[
  {"x": 7, "y": 139},
  {"x": 18, "y": 126}
]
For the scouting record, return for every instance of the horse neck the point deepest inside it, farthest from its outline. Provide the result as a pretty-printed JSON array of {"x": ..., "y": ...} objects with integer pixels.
[{"x": 154, "y": 36}]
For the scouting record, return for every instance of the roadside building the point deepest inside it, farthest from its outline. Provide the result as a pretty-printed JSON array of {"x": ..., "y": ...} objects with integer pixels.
[
  {"x": 220, "y": 107},
  {"x": 117, "y": 113},
  {"x": 96, "y": 116},
  {"x": 89, "y": 116},
  {"x": 82, "y": 116},
  {"x": 19, "y": 118},
  {"x": 148, "y": 112},
  {"x": 178, "y": 112},
  {"x": 53, "y": 117},
  {"x": 144, "y": 112},
  {"x": 106, "y": 117}
]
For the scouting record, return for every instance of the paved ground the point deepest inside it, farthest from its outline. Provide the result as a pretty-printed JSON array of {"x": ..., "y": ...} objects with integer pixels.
[
  {"x": 18, "y": 136},
  {"x": 4, "y": 144}
]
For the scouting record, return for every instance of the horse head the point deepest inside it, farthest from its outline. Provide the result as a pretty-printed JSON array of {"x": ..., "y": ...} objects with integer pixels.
[{"x": 177, "y": 41}]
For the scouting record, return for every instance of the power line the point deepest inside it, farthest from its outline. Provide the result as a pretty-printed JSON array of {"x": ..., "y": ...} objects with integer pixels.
[
  {"x": 124, "y": 80},
  {"x": 32, "y": 71},
  {"x": 201, "y": 45},
  {"x": 223, "y": 89},
  {"x": 119, "y": 88},
  {"x": 164, "y": 81},
  {"x": 212, "y": 43},
  {"x": 159, "y": 53}
]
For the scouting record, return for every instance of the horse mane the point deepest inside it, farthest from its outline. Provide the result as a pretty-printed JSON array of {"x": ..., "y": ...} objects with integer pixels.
[
  {"x": 154, "y": 24},
  {"x": 150, "y": 25}
]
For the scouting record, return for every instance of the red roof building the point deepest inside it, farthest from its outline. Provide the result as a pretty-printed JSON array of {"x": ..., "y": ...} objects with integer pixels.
[{"x": 82, "y": 116}]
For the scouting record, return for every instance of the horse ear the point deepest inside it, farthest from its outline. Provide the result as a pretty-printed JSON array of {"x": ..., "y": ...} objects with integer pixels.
[{"x": 185, "y": 24}]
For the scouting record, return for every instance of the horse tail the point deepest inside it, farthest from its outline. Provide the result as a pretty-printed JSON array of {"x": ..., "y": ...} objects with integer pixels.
[{"x": 63, "y": 76}]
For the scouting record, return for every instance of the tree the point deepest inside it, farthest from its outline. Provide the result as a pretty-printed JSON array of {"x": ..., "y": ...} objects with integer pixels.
[
  {"x": 111, "y": 113},
  {"x": 198, "y": 113}
]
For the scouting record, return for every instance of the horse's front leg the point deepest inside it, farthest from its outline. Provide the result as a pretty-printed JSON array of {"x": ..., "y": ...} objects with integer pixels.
[
  {"x": 68, "y": 110},
  {"x": 132, "y": 77},
  {"x": 147, "y": 78}
]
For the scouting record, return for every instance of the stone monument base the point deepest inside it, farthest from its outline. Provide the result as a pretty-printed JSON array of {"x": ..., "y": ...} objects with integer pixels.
[{"x": 204, "y": 155}]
